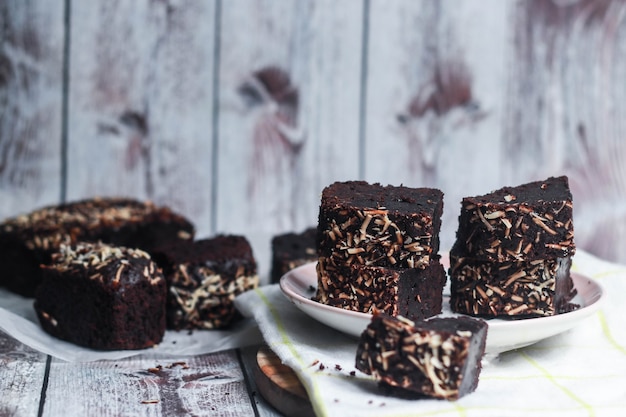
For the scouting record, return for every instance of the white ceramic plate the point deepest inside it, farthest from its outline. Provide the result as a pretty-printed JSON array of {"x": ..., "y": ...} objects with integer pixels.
[{"x": 299, "y": 286}]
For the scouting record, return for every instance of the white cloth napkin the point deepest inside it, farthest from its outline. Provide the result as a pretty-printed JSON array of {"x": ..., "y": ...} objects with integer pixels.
[{"x": 581, "y": 372}]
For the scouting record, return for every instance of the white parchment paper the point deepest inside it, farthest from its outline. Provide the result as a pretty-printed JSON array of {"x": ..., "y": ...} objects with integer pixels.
[{"x": 18, "y": 319}]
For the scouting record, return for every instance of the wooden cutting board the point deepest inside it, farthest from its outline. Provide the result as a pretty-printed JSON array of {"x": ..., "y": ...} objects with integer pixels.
[{"x": 279, "y": 385}]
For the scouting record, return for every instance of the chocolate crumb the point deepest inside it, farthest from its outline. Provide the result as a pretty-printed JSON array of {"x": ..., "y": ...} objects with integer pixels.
[
  {"x": 181, "y": 364},
  {"x": 352, "y": 373},
  {"x": 156, "y": 370},
  {"x": 150, "y": 401},
  {"x": 337, "y": 367}
]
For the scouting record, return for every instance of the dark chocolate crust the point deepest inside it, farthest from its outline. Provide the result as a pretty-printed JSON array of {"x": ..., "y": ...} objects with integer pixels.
[
  {"x": 290, "y": 250},
  {"x": 527, "y": 222},
  {"x": 438, "y": 358},
  {"x": 410, "y": 292},
  {"x": 29, "y": 240},
  {"x": 375, "y": 225},
  {"x": 536, "y": 288},
  {"x": 102, "y": 297},
  {"x": 203, "y": 279}
]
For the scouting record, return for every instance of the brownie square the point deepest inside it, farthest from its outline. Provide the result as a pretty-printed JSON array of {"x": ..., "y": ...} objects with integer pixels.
[
  {"x": 530, "y": 221},
  {"x": 520, "y": 289},
  {"x": 438, "y": 358},
  {"x": 29, "y": 240},
  {"x": 102, "y": 297},
  {"x": 410, "y": 292},
  {"x": 290, "y": 250},
  {"x": 203, "y": 278},
  {"x": 375, "y": 225}
]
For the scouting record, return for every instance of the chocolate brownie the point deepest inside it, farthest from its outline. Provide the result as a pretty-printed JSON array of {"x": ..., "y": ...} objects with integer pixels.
[
  {"x": 414, "y": 293},
  {"x": 290, "y": 250},
  {"x": 203, "y": 278},
  {"x": 29, "y": 240},
  {"x": 102, "y": 297},
  {"x": 541, "y": 287},
  {"x": 513, "y": 252},
  {"x": 530, "y": 221},
  {"x": 438, "y": 358},
  {"x": 375, "y": 225}
]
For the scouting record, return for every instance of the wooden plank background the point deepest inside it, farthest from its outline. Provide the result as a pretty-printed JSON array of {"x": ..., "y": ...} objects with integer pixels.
[{"x": 237, "y": 113}]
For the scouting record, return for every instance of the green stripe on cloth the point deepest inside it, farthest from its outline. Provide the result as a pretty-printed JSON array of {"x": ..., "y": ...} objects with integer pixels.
[
  {"x": 607, "y": 333},
  {"x": 551, "y": 378}
]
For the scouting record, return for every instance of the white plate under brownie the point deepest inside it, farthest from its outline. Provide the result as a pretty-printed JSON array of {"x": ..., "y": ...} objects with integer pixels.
[{"x": 299, "y": 286}]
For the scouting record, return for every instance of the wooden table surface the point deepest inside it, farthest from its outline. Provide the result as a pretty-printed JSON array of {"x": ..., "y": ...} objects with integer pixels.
[{"x": 218, "y": 384}]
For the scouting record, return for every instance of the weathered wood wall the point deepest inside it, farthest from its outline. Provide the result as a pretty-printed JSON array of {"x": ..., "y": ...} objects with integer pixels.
[{"x": 237, "y": 113}]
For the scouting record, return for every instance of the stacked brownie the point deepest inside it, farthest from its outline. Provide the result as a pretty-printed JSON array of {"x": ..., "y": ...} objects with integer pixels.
[
  {"x": 513, "y": 252},
  {"x": 378, "y": 249},
  {"x": 290, "y": 250}
]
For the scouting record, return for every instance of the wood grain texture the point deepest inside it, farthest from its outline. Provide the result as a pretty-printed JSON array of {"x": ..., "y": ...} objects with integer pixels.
[
  {"x": 289, "y": 103},
  {"x": 21, "y": 378},
  {"x": 206, "y": 385},
  {"x": 434, "y": 97},
  {"x": 280, "y": 385},
  {"x": 141, "y": 103},
  {"x": 31, "y": 92},
  {"x": 566, "y": 112},
  {"x": 237, "y": 113},
  {"x": 249, "y": 365}
]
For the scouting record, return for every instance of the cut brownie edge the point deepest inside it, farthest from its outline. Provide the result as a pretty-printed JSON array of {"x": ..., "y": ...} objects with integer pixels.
[
  {"x": 438, "y": 358},
  {"x": 368, "y": 224},
  {"x": 531, "y": 221},
  {"x": 204, "y": 277},
  {"x": 410, "y": 292},
  {"x": 520, "y": 289}
]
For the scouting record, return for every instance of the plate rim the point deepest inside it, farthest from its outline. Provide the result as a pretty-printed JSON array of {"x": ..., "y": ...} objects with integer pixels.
[{"x": 591, "y": 304}]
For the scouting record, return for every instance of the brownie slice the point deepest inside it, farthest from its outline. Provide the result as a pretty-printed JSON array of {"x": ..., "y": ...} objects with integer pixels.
[
  {"x": 410, "y": 292},
  {"x": 537, "y": 288},
  {"x": 375, "y": 225},
  {"x": 102, "y": 297},
  {"x": 29, "y": 240},
  {"x": 203, "y": 278},
  {"x": 438, "y": 358},
  {"x": 290, "y": 250},
  {"x": 527, "y": 222}
]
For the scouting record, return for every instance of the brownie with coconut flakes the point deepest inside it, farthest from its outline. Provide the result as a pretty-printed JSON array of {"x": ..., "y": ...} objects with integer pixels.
[
  {"x": 291, "y": 250},
  {"x": 29, "y": 240},
  {"x": 414, "y": 293},
  {"x": 438, "y": 358},
  {"x": 375, "y": 225},
  {"x": 516, "y": 289},
  {"x": 102, "y": 297},
  {"x": 526, "y": 222},
  {"x": 203, "y": 278},
  {"x": 513, "y": 250}
]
